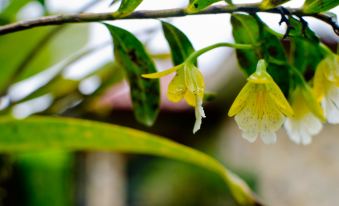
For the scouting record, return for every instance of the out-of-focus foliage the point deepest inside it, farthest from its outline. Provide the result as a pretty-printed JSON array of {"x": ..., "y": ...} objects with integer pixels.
[
  {"x": 179, "y": 185},
  {"x": 46, "y": 176},
  {"x": 12, "y": 51},
  {"x": 317, "y": 6},
  {"x": 71, "y": 134}
]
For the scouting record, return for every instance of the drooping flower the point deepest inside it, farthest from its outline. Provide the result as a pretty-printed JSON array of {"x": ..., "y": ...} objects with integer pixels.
[
  {"x": 326, "y": 87},
  {"x": 308, "y": 116},
  {"x": 260, "y": 107},
  {"x": 188, "y": 83}
]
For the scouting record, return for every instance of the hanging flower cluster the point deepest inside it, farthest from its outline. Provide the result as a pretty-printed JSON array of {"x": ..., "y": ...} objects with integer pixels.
[{"x": 261, "y": 109}]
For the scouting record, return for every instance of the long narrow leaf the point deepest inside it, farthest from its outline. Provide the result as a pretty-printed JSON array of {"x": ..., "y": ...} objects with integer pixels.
[
  {"x": 131, "y": 55},
  {"x": 246, "y": 31},
  {"x": 41, "y": 133},
  {"x": 317, "y": 6},
  {"x": 181, "y": 47}
]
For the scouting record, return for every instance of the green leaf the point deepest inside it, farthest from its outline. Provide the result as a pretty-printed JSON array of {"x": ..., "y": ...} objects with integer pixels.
[
  {"x": 251, "y": 30},
  {"x": 127, "y": 7},
  {"x": 41, "y": 133},
  {"x": 302, "y": 31},
  {"x": 317, "y": 6},
  {"x": 274, "y": 53},
  {"x": 305, "y": 48},
  {"x": 145, "y": 93},
  {"x": 246, "y": 31},
  {"x": 12, "y": 52},
  {"x": 198, "y": 5},
  {"x": 269, "y": 4},
  {"x": 305, "y": 55},
  {"x": 181, "y": 47}
]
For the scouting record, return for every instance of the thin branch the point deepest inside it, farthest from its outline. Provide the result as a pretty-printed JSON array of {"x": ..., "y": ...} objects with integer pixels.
[{"x": 96, "y": 17}]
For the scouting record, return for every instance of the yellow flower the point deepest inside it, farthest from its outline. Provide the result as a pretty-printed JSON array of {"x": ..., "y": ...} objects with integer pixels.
[
  {"x": 326, "y": 87},
  {"x": 260, "y": 107},
  {"x": 188, "y": 83},
  {"x": 307, "y": 118}
]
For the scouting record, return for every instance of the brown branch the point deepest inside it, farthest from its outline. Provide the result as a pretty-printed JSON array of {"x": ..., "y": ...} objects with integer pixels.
[{"x": 96, "y": 17}]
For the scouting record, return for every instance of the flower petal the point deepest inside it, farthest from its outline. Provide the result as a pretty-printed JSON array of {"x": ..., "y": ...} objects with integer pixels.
[
  {"x": 190, "y": 98},
  {"x": 301, "y": 130},
  {"x": 177, "y": 88},
  {"x": 309, "y": 99},
  {"x": 249, "y": 135},
  {"x": 259, "y": 116},
  {"x": 319, "y": 83},
  {"x": 331, "y": 105},
  {"x": 199, "y": 114},
  {"x": 268, "y": 137},
  {"x": 241, "y": 99},
  {"x": 279, "y": 99},
  {"x": 162, "y": 73},
  {"x": 194, "y": 80}
]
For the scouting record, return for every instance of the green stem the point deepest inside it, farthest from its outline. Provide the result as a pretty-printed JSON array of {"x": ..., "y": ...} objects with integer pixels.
[
  {"x": 196, "y": 54},
  {"x": 327, "y": 51}
]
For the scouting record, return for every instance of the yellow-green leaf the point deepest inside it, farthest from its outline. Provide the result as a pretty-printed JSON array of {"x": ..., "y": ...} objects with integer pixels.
[
  {"x": 198, "y": 5},
  {"x": 317, "y": 6},
  {"x": 127, "y": 7},
  {"x": 269, "y": 4},
  {"x": 42, "y": 133}
]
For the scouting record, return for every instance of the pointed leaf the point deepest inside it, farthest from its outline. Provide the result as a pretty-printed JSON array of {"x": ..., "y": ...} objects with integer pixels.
[
  {"x": 317, "y": 6},
  {"x": 246, "y": 31},
  {"x": 269, "y": 4},
  {"x": 181, "y": 47},
  {"x": 131, "y": 55},
  {"x": 198, "y": 5},
  {"x": 274, "y": 54},
  {"x": 41, "y": 133},
  {"x": 127, "y": 7},
  {"x": 305, "y": 48}
]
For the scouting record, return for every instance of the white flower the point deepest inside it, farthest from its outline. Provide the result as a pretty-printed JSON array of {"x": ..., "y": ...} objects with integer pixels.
[
  {"x": 260, "y": 107},
  {"x": 308, "y": 114},
  {"x": 326, "y": 87}
]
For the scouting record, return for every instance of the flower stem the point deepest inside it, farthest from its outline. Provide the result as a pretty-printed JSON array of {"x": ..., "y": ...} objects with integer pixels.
[
  {"x": 196, "y": 54},
  {"x": 326, "y": 50}
]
